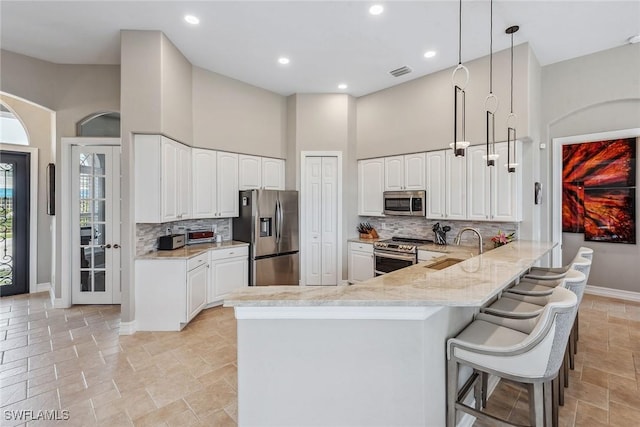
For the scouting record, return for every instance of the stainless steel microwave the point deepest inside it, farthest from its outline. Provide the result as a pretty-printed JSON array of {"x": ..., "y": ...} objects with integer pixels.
[{"x": 409, "y": 203}]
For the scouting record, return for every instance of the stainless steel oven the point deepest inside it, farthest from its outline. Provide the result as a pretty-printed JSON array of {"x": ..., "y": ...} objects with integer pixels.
[
  {"x": 408, "y": 203},
  {"x": 388, "y": 261}
]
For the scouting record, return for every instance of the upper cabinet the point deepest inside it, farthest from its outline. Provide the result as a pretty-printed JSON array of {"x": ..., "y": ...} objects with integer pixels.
[
  {"x": 162, "y": 179},
  {"x": 404, "y": 172},
  {"x": 260, "y": 173},
  {"x": 494, "y": 193},
  {"x": 371, "y": 187},
  {"x": 446, "y": 185},
  {"x": 215, "y": 184}
]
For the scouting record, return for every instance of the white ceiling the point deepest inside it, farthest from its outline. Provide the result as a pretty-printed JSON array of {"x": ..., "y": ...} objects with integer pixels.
[{"x": 329, "y": 42}]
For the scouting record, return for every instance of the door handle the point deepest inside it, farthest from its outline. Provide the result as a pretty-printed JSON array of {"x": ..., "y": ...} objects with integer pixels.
[
  {"x": 107, "y": 246},
  {"x": 116, "y": 246}
]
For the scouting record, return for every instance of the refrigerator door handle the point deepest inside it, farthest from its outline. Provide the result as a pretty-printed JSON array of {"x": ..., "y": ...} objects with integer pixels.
[
  {"x": 277, "y": 221},
  {"x": 281, "y": 225}
]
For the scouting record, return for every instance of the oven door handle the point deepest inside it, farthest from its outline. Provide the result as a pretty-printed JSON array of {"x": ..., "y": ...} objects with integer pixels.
[
  {"x": 410, "y": 205},
  {"x": 401, "y": 257},
  {"x": 379, "y": 272}
]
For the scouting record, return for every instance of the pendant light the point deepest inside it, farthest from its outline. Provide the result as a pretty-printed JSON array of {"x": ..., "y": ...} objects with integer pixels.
[
  {"x": 511, "y": 118},
  {"x": 459, "y": 98},
  {"x": 491, "y": 104}
]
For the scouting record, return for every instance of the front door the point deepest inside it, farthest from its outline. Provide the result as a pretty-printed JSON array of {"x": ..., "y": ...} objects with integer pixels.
[
  {"x": 95, "y": 190},
  {"x": 14, "y": 223}
]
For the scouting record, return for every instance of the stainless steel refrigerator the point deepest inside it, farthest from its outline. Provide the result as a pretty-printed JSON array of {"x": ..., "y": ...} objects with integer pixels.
[{"x": 268, "y": 221}]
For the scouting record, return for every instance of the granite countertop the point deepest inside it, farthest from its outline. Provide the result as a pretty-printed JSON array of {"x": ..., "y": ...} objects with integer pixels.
[
  {"x": 447, "y": 249},
  {"x": 472, "y": 282},
  {"x": 191, "y": 251}
]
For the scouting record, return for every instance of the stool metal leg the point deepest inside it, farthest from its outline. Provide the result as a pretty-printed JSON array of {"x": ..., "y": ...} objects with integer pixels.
[
  {"x": 485, "y": 382},
  {"x": 548, "y": 404},
  {"x": 452, "y": 392}
]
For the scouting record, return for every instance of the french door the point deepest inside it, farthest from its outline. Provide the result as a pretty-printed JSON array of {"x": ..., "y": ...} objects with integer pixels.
[
  {"x": 95, "y": 224},
  {"x": 14, "y": 223}
]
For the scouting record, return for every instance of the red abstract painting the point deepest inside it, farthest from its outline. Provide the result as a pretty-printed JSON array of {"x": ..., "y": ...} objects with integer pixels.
[{"x": 607, "y": 214}]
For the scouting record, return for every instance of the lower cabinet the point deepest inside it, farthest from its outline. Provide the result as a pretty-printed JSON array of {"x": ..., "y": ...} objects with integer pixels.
[
  {"x": 360, "y": 262},
  {"x": 229, "y": 271},
  {"x": 170, "y": 292}
]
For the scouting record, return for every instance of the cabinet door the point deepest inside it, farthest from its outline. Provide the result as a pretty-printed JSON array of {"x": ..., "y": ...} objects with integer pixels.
[
  {"x": 414, "y": 171},
  {"x": 183, "y": 194},
  {"x": 203, "y": 183},
  {"x": 360, "y": 266},
  {"x": 228, "y": 275},
  {"x": 169, "y": 177},
  {"x": 272, "y": 174},
  {"x": 436, "y": 178},
  {"x": 394, "y": 173},
  {"x": 250, "y": 172},
  {"x": 478, "y": 183},
  {"x": 371, "y": 187},
  {"x": 455, "y": 186},
  {"x": 227, "y": 184},
  {"x": 197, "y": 283},
  {"x": 506, "y": 195}
]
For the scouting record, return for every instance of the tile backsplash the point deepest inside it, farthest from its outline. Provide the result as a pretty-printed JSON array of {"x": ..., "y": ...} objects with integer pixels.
[
  {"x": 421, "y": 228},
  {"x": 147, "y": 234}
]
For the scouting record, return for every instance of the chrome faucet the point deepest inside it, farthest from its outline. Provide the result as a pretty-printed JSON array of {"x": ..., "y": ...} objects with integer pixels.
[{"x": 456, "y": 241}]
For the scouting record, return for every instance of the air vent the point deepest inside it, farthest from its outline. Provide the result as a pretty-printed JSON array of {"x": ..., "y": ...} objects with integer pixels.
[{"x": 400, "y": 71}]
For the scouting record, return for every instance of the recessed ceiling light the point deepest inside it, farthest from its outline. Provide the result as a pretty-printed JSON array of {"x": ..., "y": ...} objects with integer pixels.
[
  {"x": 283, "y": 60},
  {"x": 376, "y": 9},
  {"x": 342, "y": 86},
  {"x": 193, "y": 20},
  {"x": 634, "y": 39},
  {"x": 430, "y": 54}
]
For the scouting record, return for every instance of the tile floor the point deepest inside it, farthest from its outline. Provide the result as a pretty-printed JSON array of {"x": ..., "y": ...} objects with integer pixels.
[{"x": 75, "y": 360}]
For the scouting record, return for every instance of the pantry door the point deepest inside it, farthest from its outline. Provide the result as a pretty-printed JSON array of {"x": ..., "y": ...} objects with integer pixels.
[{"x": 95, "y": 200}]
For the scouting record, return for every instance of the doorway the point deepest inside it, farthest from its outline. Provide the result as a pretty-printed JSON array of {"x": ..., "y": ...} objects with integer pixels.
[
  {"x": 14, "y": 222},
  {"x": 321, "y": 219},
  {"x": 95, "y": 224}
]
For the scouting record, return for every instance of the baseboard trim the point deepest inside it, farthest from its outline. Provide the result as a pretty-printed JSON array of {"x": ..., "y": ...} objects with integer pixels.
[
  {"x": 40, "y": 287},
  {"x": 127, "y": 328},
  {"x": 60, "y": 303},
  {"x": 612, "y": 293}
]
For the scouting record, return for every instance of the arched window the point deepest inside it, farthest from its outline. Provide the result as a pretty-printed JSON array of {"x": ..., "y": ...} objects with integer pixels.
[
  {"x": 106, "y": 124},
  {"x": 11, "y": 129}
]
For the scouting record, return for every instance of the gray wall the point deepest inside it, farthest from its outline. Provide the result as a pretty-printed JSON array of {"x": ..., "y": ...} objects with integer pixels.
[
  {"x": 418, "y": 115},
  {"x": 38, "y": 122},
  {"x": 590, "y": 94},
  {"x": 234, "y": 116}
]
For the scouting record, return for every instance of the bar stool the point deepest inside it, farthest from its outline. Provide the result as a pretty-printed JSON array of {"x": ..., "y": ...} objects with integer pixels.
[
  {"x": 520, "y": 350},
  {"x": 554, "y": 273}
]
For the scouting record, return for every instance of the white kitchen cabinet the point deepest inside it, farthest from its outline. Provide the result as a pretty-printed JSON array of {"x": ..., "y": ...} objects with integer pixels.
[
  {"x": 404, "y": 172},
  {"x": 273, "y": 173},
  {"x": 492, "y": 192},
  {"x": 361, "y": 262},
  {"x": 229, "y": 271},
  {"x": 162, "y": 179},
  {"x": 227, "y": 184},
  {"x": 249, "y": 172},
  {"x": 446, "y": 185},
  {"x": 204, "y": 183},
  {"x": 169, "y": 292},
  {"x": 215, "y": 184},
  {"x": 256, "y": 172},
  {"x": 371, "y": 187}
]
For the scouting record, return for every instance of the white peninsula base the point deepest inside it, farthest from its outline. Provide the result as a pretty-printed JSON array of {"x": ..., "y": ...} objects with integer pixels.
[{"x": 344, "y": 366}]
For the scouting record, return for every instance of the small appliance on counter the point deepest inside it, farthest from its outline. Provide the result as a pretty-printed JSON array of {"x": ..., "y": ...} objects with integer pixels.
[
  {"x": 201, "y": 235},
  {"x": 170, "y": 242}
]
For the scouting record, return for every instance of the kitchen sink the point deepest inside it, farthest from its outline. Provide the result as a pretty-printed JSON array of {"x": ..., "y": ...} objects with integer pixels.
[{"x": 443, "y": 263}]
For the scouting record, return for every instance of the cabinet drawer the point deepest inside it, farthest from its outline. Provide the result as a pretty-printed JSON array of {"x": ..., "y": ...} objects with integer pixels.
[
  {"x": 362, "y": 247},
  {"x": 229, "y": 252},
  {"x": 197, "y": 261}
]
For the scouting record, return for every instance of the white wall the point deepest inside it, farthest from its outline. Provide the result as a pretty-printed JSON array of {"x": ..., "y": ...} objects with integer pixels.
[{"x": 590, "y": 94}]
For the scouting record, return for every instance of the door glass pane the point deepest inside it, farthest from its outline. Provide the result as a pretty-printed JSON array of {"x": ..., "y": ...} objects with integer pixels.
[
  {"x": 85, "y": 257},
  {"x": 99, "y": 189},
  {"x": 99, "y": 277},
  {"x": 98, "y": 236},
  {"x": 6, "y": 224},
  {"x": 99, "y": 212},
  {"x": 85, "y": 280},
  {"x": 98, "y": 165},
  {"x": 99, "y": 257}
]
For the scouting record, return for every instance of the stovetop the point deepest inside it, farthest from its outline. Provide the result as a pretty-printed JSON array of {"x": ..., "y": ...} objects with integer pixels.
[{"x": 401, "y": 244}]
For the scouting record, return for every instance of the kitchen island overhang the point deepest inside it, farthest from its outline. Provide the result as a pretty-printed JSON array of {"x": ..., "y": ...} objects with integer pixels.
[{"x": 368, "y": 354}]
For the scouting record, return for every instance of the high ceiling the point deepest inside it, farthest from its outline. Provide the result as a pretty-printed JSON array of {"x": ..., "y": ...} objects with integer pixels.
[{"x": 328, "y": 42}]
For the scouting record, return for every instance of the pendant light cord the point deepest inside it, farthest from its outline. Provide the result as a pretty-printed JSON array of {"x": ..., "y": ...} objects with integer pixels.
[
  {"x": 491, "y": 51},
  {"x": 460, "y": 34},
  {"x": 511, "y": 73}
]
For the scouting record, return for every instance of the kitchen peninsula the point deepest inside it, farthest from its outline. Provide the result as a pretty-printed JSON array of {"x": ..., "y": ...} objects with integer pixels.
[{"x": 363, "y": 355}]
